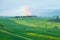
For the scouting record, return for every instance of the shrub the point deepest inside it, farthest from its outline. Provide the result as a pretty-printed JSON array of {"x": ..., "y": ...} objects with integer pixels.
[{"x": 1, "y": 25}]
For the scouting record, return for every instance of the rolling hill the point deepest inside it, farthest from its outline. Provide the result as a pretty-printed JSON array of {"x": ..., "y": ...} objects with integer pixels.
[{"x": 28, "y": 29}]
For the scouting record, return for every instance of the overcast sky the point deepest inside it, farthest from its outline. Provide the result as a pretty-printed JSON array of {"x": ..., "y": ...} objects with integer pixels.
[{"x": 34, "y": 7}]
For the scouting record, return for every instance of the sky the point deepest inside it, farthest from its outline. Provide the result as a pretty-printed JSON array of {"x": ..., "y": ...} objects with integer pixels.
[{"x": 29, "y": 7}]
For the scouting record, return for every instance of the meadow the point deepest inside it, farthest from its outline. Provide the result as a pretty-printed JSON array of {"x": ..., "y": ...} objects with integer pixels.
[{"x": 29, "y": 29}]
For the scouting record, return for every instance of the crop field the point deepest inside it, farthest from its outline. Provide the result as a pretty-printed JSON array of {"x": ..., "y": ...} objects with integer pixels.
[{"x": 29, "y": 29}]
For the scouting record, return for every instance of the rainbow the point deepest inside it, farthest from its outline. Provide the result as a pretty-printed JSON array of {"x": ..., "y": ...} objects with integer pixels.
[{"x": 26, "y": 10}]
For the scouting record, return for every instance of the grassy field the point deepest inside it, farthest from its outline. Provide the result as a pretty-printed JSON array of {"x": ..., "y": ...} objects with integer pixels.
[{"x": 29, "y": 29}]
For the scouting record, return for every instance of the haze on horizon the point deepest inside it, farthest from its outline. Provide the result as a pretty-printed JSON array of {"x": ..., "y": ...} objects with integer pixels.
[{"x": 29, "y": 7}]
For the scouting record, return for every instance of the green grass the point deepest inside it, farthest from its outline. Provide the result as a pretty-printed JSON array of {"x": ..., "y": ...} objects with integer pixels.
[
  {"x": 31, "y": 28},
  {"x": 36, "y": 22},
  {"x": 6, "y": 36}
]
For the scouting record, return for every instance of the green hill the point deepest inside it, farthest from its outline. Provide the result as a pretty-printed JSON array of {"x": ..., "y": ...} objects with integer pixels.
[{"x": 28, "y": 29}]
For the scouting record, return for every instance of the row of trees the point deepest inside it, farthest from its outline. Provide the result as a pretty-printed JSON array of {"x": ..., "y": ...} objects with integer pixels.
[
  {"x": 24, "y": 16},
  {"x": 55, "y": 19}
]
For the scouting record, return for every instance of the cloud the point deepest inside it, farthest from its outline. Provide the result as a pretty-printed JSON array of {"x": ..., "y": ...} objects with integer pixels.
[
  {"x": 12, "y": 12},
  {"x": 18, "y": 11},
  {"x": 8, "y": 4},
  {"x": 14, "y": 7}
]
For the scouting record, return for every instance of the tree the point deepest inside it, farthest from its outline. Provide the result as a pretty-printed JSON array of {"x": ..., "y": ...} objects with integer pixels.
[
  {"x": 56, "y": 17},
  {"x": 46, "y": 26},
  {"x": 17, "y": 16},
  {"x": 1, "y": 25},
  {"x": 56, "y": 27}
]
